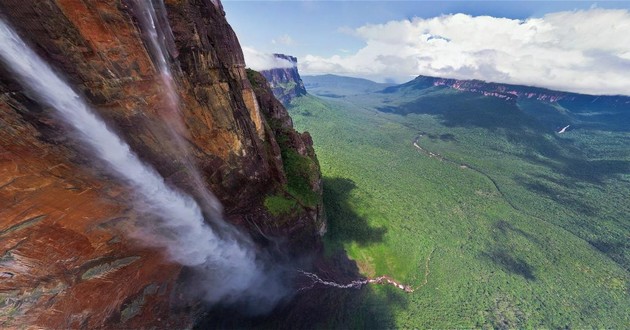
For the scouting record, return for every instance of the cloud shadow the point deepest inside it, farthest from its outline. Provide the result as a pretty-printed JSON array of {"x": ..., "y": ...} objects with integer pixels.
[
  {"x": 344, "y": 224},
  {"x": 319, "y": 306},
  {"x": 502, "y": 254}
]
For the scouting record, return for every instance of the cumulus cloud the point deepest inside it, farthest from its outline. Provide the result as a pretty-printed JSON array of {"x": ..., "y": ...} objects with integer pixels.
[
  {"x": 264, "y": 61},
  {"x": 585, "y": 51}
]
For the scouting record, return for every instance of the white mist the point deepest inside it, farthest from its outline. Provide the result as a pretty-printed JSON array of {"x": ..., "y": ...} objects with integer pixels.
[{"x": 156, "y": 38}]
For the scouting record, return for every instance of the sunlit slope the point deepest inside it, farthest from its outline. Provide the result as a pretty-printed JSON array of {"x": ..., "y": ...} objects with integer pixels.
[{"x": 492, "y": 216}]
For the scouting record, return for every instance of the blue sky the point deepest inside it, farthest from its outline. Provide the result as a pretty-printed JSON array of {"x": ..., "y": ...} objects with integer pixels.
[
  {"x": 331, "y": 35},
  {"x": 317, "y": 27}
]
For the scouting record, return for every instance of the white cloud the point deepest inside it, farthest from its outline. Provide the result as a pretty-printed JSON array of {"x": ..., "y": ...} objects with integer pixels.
[
  {"x": 263, "y": 61},
  {"x": 585, "y": 51},
  {"x": 283, "y": 40}
]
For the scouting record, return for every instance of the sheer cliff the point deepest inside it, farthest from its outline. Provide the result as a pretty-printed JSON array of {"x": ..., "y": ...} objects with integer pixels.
[
  {"x": 67, "y": 261},
  {"x": 286, "y": 82}
]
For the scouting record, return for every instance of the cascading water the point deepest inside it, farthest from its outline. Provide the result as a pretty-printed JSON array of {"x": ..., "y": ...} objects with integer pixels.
[
  {"x": 229, "y": 266},
  {"x": 158, "y": 36},
  {"x": 154, "y": 23},
  {"x": 356, "y": 284}
]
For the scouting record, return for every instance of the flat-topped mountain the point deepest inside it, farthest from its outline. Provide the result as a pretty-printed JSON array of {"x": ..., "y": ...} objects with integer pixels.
[
  {"x": 285, "y": 83},
  {"x": 555, "y": 109},
  {"x": 508, "y": 91}
]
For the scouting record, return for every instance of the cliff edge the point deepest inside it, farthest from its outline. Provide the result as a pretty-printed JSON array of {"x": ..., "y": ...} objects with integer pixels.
[
  {"x": 67, "y": 261},
  {"x": 286, "y": 83}
]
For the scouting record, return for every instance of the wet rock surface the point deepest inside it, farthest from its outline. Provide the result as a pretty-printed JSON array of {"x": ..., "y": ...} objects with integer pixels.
[{"x": 66, "y": 260}]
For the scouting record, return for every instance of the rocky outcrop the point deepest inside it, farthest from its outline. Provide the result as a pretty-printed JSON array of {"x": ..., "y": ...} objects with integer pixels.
[
  {"x": 302, "y": 191},
  {"x": 285, "y": 83},
  {"x": 66, "y": 261}
]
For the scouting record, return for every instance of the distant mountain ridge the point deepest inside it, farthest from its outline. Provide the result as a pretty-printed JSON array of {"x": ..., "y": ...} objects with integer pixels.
[
  {"x": 555, "y": 109},
  {"x": 508, "y": 91},
  {"x": 330, "y": 85},
  {"x": 286, "y": 83}
]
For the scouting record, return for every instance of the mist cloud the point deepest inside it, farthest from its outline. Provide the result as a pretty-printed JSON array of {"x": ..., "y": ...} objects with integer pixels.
[
  {"x": 586, "y": 51},
  {"x": 263, "y": 61}
]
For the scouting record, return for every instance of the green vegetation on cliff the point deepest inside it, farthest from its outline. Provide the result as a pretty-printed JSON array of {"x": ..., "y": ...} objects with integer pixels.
[
  {"x": 299, "y": 163},
  {"x": 497, "y": 221},
  {"x": 279, "y": 205},
  {"x": 300, "y": 171}
]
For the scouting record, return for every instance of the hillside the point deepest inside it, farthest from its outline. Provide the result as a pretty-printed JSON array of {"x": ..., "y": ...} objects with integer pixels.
[
  {"x": 548, "y": 106},
  {"x": 476, "y": 201}
]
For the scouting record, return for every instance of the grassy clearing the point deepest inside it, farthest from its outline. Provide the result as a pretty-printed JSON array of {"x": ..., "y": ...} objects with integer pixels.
[{"x": 532, "y": 233}]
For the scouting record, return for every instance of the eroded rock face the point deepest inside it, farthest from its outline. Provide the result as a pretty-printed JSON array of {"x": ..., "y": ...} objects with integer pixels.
[
  {"x": 286, "y": 83},
  {"x": 67, "y": 261},
  {"x": 299, "y": 163}
]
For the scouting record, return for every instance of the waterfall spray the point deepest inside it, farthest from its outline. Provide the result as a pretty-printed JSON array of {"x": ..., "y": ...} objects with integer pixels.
[
  {"x": 229, "y": 266},
  {"x": 158, "y": 36}
]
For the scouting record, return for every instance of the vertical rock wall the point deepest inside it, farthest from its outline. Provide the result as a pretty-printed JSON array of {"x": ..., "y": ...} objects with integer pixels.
[{"x": 66, "y": 261}]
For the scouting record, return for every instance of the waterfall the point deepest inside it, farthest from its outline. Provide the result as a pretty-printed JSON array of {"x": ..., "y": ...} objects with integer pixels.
[
  {"x": 230, "y": 268},
  {"x": 158, "y": 37}
]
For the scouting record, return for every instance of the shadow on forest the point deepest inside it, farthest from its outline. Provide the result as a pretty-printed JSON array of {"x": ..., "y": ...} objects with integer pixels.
[
  {"x": 323, "y": 307},
  {"x": 502, "y": 253},
  {"x": 505, "y": 228},
  {"x": 518, "y": 127},
  {"x": 448, "y": 137},
  {"x": 617, "y": 249},
  {"x": 526, "y": 130},
  {"x": 344, "y": 224},
  {"x": 504, "y": 259},
  {"x": 320, "y": 307},
  {"x": 561, "y": 196},
  {"x": 331, "y": 308}
]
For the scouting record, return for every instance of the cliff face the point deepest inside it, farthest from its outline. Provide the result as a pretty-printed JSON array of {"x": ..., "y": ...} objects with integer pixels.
[
  {"x": 509, "y": 92},
  {"x": 303, "y": 188},
  {"x": 285, "y": 83},
  {"x": 66, "y": 259}
]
